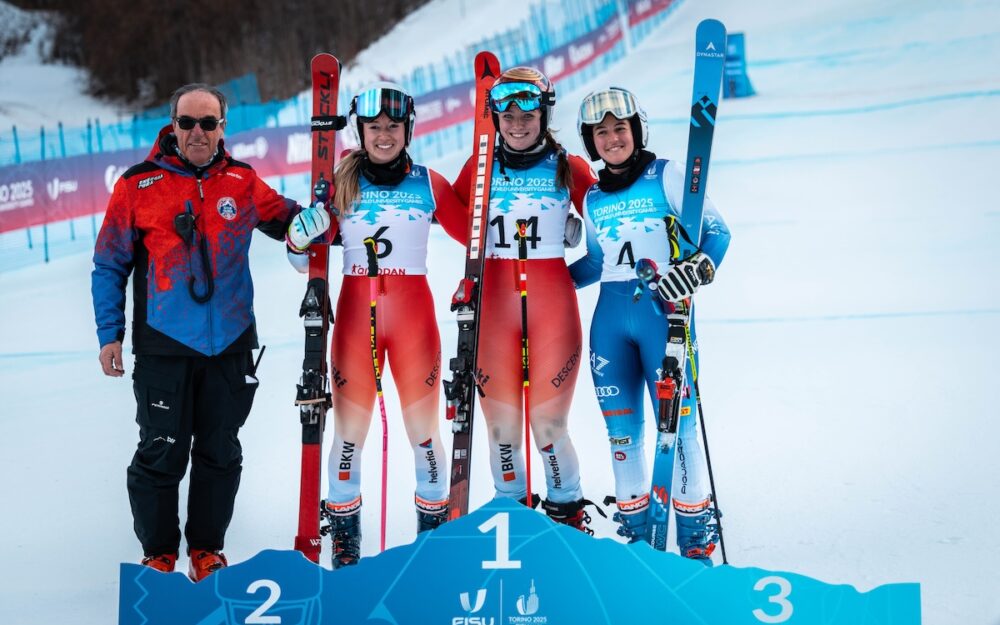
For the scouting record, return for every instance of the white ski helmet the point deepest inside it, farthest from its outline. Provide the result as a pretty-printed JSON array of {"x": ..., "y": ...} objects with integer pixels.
[
  {"x": 622, "y": 105},
  {"x": 383, "y": 97}
]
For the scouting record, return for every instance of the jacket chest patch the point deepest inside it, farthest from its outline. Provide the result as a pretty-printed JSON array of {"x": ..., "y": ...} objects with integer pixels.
[{"x": 227, "y": 208}]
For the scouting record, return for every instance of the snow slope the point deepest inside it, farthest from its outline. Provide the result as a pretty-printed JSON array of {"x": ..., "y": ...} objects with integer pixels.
[{"x": 848, "y": 345}]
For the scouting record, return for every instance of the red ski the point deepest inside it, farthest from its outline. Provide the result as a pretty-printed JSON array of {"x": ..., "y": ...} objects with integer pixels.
[
  {"x": 460, "y": 391},
  {"x": 313, "y": 397}
]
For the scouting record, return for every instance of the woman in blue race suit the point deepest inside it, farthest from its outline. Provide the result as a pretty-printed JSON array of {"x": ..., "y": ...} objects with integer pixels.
[{"x": 627, "y": 213}]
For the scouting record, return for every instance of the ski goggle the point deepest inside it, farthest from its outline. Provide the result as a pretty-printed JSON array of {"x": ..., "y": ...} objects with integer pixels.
[
  {"x": 394, "y": 103},
  {"x": 208, "y": 124},
  {"x": 527, "y": 96},
  {"x": 595, "y": 106}
]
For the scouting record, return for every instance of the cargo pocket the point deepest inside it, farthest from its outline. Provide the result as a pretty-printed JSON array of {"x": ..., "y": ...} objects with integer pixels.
[
  {"x": 243, "y": 386},
  {"x": 158, "y": 402}
]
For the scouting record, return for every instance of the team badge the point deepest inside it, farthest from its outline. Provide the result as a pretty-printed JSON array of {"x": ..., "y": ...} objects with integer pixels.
[{"x": 227, "y": 208}]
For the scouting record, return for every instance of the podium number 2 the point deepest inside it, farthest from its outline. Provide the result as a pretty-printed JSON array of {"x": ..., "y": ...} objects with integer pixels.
[
  {"x": 781, "y": 599},
  {"x": 501, "y": 521},
  {"x": 257, "y": 616}
]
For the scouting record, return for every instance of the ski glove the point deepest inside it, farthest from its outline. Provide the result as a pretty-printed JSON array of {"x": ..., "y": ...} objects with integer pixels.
[
  {"x": 306, "y": 226},
  {"x": 574, "y": 230},
  {"x": 684, "y": 278}
]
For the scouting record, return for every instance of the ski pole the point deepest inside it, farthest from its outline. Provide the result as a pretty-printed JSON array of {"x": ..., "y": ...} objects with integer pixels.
[
  {"x": 522, "y": 265},
  {"x": 371, "y": 249},
  {"x": 704, "y": 439}
]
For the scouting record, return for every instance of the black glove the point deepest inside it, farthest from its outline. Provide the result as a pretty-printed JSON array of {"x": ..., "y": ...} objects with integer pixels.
[{"x": 684, "y": 278}]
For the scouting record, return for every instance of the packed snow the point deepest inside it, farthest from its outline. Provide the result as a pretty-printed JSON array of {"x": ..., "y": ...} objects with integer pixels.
[{"x": 848, "y": 343}]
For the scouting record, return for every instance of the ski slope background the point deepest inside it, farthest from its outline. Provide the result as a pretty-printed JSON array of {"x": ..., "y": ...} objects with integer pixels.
[{"x": 849, "y": 344}]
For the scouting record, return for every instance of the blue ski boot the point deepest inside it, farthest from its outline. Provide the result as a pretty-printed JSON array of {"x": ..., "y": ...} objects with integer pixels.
[
  {"x": 632, "y": 525},
  {"x": 697, "y": 534}
]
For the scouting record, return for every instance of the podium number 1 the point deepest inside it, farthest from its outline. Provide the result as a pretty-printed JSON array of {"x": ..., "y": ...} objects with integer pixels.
[
  {"x": 781, "y": 599},
  {"x": 501, "y": 521}
]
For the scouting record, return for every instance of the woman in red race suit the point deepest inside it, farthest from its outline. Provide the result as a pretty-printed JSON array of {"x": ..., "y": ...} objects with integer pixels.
[
  {"x": 381, "y": 194},
  {"x": 534, "y": 180}
]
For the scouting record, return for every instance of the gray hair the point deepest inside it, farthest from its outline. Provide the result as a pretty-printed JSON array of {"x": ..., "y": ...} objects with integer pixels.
[{"x": 197, "y": 86}]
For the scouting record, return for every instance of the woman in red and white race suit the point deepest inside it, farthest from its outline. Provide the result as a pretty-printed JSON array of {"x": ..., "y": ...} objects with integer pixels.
[{"x": 534, "y": 180}]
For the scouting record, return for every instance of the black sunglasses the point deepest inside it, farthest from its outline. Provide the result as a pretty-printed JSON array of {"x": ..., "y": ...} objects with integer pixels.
[{"x": 208, "y": 124}]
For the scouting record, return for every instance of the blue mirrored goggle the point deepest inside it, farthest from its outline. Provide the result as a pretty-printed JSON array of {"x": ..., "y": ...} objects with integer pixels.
[
  {"x": 526, "y": 96},
  {"x": 394, "y": 103},
  {"x": 594, "y": 107}
]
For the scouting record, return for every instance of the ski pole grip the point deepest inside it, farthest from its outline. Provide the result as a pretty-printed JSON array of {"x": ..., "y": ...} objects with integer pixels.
[{"x": 371, "y": 248}]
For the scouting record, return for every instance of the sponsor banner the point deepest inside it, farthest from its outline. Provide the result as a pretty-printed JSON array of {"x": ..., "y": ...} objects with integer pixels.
[{"x": 54, "y": 190}]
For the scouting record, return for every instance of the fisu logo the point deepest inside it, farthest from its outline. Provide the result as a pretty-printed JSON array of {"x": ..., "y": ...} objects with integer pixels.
[{"x": 480, "y": 600}]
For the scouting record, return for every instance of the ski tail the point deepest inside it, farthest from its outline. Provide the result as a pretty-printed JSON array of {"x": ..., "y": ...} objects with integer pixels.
[
  {"x": 313, "y": 397},
  {"x": 709, "y": 64},
  {"x": 461, "y": 390}
]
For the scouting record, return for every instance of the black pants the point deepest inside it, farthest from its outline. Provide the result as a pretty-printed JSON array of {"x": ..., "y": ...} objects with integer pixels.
[{"x": 188, "y": 406}]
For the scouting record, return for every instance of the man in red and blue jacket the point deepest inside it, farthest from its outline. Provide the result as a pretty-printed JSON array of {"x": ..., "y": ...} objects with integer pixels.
[{"x": 181, "y": 223}]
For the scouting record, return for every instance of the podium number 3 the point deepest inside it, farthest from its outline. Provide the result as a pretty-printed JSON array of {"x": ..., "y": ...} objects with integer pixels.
[
  {"x": 501, "y": 521},
  {"x": 257, "y": 616},
  {"x": 780, "y": 598}
]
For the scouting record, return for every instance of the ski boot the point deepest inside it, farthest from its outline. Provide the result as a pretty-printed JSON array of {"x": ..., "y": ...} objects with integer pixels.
[
  {"x": 430, "y": 514},
  {"x": 535, "y": 500},
  {"x": 571, "y": 513},
  {"x": 344, "y": 529},
  {"x": 204, "y": 562},
  {"x": 697, "y": 534},
  {"x": 164, "y": 562},
  {"x": 631, "y": 517}
]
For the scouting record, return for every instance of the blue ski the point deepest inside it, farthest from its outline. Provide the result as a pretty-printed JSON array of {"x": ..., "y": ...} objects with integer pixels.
[{"x": 677, "y": 373}]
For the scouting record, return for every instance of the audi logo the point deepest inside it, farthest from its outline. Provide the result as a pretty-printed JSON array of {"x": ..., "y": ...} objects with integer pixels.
[{"x": 607, "y": 391}]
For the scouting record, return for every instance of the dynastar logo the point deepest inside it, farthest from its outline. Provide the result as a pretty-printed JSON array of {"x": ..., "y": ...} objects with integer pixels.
[
  {"x": 711, "y": 52},
  {"x": 507, "y": 461},
  {"x": 346, "y": 460}
]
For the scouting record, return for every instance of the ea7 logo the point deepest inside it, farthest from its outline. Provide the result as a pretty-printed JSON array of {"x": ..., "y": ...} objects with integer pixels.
[
  {"x": 480, "y": 600},
  {"x": 597, "y": 363}
]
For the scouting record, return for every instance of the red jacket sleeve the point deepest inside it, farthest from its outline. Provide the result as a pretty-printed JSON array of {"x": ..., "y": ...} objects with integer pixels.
[
  {"x": 463, "y": 184},
  {"x": 583, "y": 179},
  {"x": 451, "y": 212}
]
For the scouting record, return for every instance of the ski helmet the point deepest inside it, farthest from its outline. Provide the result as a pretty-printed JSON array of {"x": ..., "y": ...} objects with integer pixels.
[
  {"x": 383, "y": 97},
  {"x": 622, "y": 105},
  {"x": 525, "y": 87}
]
